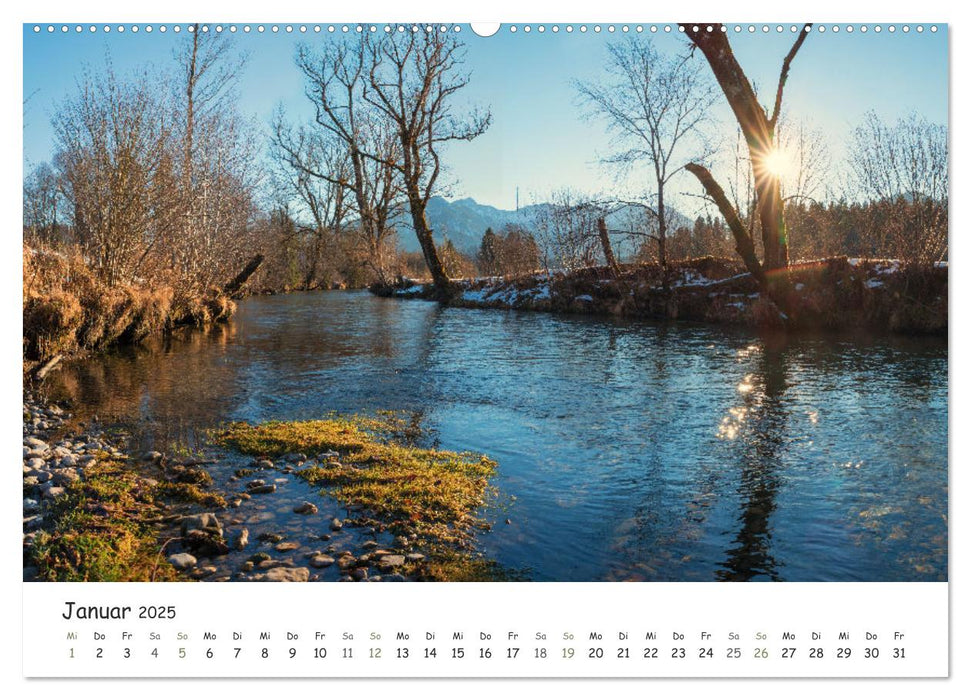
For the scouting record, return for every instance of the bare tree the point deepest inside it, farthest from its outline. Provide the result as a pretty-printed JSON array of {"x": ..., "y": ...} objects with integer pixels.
[
  {"x": 413, "y": 78},
  {"x": 568, "y": 231},
  {"x": 903, "y": 168},
  {"x": 112, "y": 138},
  {"x": 655, "y": 107},
  {"x": 352, "y": 130},
  {"x": 315, "y": 171},
  {"x": 758, "y": 127},
  {"x": 214, "y": 168},
  {"x": 42, "y": 201}
]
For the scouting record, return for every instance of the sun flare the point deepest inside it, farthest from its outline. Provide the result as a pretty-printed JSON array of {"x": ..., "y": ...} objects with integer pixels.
[{"x": 778, "y": 163}]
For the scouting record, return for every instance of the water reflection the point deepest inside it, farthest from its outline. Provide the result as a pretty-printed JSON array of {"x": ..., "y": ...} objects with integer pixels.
[
  {"x": 762, "y": 419},
  {"x": 627, "y": 451}
]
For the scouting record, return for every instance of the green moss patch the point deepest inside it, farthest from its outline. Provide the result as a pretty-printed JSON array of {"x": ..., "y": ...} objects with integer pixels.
[{"x": 434, "y": 493}]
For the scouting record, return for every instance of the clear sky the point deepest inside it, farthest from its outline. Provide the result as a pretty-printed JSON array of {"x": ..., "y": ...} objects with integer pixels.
[{"x": 539, "y": 140}]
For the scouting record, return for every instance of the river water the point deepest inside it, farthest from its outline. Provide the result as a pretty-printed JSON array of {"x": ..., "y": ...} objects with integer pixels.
[{"x": 626, "y": 450}]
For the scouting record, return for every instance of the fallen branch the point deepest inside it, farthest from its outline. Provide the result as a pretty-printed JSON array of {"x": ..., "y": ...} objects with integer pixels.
[
  {"x": 48, "y": 366},
  {"x": 233, "y": 286}
]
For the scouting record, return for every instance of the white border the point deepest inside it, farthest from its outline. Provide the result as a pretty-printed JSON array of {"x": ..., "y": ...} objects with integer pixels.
[{"x": 511, "y": 11}]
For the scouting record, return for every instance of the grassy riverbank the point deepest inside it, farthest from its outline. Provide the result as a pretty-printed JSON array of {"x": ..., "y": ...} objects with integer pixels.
[
  {"x": 92, "y": 512},
  {"x": 832, "y": 294},
  {"x": 67, "y": 309}
]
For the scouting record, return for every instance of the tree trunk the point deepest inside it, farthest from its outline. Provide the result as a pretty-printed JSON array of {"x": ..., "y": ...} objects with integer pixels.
[
  {"x": 759, "y": 131},
  {"x": 433, "y": 261},
  {"x": 233, "y": 286},
  {"x": 608, "y": 248},
  {"x": 743, "y": 241},
  {"x": 662, "y": 233}
]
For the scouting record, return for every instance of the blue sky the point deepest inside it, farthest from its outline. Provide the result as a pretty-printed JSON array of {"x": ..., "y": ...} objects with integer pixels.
[{"x": 538, "y": 140}]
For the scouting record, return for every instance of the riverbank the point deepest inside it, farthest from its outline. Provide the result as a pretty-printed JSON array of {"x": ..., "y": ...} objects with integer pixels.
[
  {"x": 365, "y": 506},
  {"x": 67, "y": 310},
  {"x": 832, "y": 294}
]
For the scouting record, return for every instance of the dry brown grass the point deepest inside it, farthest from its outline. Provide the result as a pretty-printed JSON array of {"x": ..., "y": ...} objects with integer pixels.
[{"x": 68, "y": 309}]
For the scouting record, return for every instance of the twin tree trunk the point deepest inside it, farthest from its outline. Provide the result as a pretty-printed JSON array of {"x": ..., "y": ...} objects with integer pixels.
[{"x": 759, "y": 131}]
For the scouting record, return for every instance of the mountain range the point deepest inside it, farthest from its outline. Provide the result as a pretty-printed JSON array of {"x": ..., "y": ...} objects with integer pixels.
[{"x": 463, "y": 221}]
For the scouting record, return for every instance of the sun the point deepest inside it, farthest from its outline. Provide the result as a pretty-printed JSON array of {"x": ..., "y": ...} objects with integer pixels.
[{"x": 778, "y": 163}]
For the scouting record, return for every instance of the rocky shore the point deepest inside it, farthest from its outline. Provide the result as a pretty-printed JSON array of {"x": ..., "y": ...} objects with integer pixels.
[{"x": 93, "y": 511}]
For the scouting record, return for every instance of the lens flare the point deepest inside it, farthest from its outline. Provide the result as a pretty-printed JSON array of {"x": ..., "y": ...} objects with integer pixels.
[{"x": 778, "y": 163}]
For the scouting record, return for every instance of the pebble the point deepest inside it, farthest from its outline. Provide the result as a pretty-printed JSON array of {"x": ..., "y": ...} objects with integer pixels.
[
  {"x": 207, "y": 522},
  {"x": 320, "y": 561},
  {"x": 391, "y": 561},
  {"x": 48, "y": 490},
  {"x": 306, "y": 508},
  {"x": 415, "y": 556},
  {"x": 33, "y": 522},
  {"x": 268, "y": 488},
  {"x": 300, "y": 573},
  {"x": 336, "y": 524},
  {"x": 205, "y": 543},
  {"x": 203, "y": 572},
  {"x": 359, "y": 574},
  {"x": 36, "y": 463},
  {"x": 268, "y": 564},
  {"x": 182, "y": 561},
  {"x": 242, "y": 539},
  {"x": 287, "y": 546},
  {"x": 66, "y": 477},
  {"x": 152, "y": 456},
  {"x": 41, "y": 475}
]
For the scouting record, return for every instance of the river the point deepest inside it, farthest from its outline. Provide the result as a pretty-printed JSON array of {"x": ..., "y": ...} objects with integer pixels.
[{"x": 626, "y": 450}]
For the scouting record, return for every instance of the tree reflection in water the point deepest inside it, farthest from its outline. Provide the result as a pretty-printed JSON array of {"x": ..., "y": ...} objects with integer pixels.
[{"x": 759, "y": 426}]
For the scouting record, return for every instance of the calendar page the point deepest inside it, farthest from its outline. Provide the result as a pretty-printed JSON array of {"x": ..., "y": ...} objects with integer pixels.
[{"x": 485, "y": 350}]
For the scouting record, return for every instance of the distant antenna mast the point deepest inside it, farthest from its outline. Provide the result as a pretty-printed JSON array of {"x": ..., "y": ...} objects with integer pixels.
[{"x": 517, "y": 199}]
